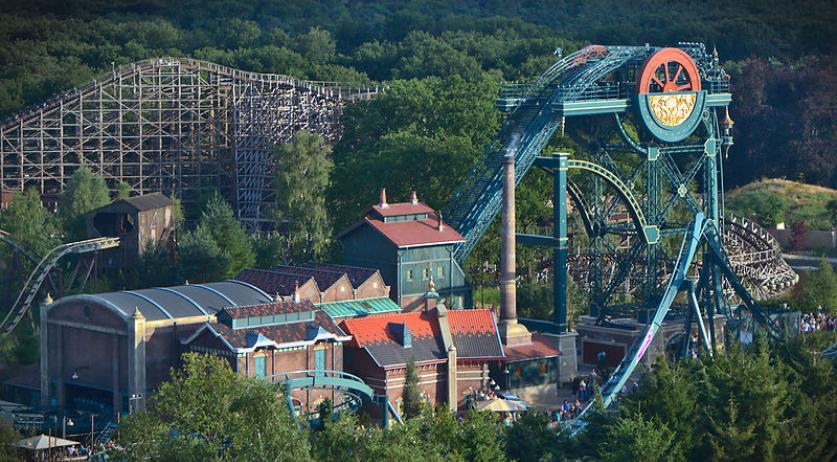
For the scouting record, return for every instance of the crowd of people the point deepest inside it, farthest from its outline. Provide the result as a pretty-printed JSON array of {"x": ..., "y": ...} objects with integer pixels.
[{"x": 816, "y": 322}]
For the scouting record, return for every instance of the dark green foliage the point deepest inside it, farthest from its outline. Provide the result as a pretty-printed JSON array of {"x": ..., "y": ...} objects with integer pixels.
[
  {"x": 9, "y": 438},
  {"x": 84, "y": 193},
  {"x": 29, "y": 223},
  {"x": 767, "y": 207},
  {"x": 208, "y": 412},
  {"x": 301, "y": 183},
  {"x": 123, "y": 190},
  {"x": 270, "y": 249},
  {"x": 411, "y": 393},
  {"x": 201, "y": 258},
  {"x": 402, "y": 139},
  {"x": 638, "y": 438},
  {"x": 218, "y": 224},
  {"x": 817, "y": 289},
  {"x": 530, "y": 439}
]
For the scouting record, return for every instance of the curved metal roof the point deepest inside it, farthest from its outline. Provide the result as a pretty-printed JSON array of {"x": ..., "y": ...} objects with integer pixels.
[{"x": 177, "y": 302}]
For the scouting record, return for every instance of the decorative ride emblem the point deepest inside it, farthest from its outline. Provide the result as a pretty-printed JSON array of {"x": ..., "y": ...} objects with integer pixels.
[
  {"x": 669, "y": 94},
  {"x": 672, "y": 109}
]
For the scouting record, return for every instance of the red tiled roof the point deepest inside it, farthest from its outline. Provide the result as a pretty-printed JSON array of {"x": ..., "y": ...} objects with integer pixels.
[
  {"x": 273, "y": 282},
  {"x": 413, "y": 233},
  {"x": 268, "y": 309},
  {"x": 401, "y": 208},
  {"x": 324, "y": 278},
  {"x": 471, "y": 321},
  {"x": 542, "y": 346},
  {"x": 374, "y": 329},
  {"x": 357, "y": 275}
]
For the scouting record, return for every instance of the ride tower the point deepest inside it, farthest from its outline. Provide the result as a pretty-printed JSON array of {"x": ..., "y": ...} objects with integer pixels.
[{"x": 642, "y": 131}]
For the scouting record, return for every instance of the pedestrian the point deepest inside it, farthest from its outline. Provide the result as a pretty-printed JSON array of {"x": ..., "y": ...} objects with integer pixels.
[{"x": 582, "y": 390}]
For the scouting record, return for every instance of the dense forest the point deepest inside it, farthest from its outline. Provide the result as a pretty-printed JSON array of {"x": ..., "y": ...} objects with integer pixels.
[{"x": 780, "y": 52}]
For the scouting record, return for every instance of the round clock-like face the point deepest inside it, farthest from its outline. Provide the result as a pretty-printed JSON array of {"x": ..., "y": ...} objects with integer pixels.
[{"x": 668, "y": 87}]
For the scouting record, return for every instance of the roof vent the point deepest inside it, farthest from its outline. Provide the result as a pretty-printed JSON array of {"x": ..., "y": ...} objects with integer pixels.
[{"x": 383, "y": 202}]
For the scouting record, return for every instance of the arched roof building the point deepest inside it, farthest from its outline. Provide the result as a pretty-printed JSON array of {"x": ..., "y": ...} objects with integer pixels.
[{"x": 93, "y": 346}]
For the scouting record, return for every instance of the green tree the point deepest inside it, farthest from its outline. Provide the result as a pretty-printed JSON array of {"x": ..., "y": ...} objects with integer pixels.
[
  {"x": 123, "y": 190},
  {"x": 831, "y": 207},
  {"x": 28, "y": 222},
  {"x": 317, "y": 45},
  {"x": 201, "y": 258},
  {"x": 270, "y": 249},
  {"x": 9, "y": 438},
  {"x": 531, "y": 439},
  {"x": 84, "y": 193},
  {"x": 638, "y": 438},
  {"x": 818, "y": 289},
  {"x": 411, "y": 394},
  {"x": 302, "y": 181},
  {"x": 218, "y": 223},
  {"x": 208, "y": 412}
]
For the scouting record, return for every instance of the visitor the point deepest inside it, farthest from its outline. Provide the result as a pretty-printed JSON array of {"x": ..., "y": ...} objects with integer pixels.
[
  {"x": 565, "y": 407},
  {"x": 582, "y": 390}
]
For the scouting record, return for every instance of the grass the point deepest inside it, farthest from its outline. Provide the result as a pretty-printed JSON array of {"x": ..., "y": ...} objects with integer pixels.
[{"x": 805, "y": 202}]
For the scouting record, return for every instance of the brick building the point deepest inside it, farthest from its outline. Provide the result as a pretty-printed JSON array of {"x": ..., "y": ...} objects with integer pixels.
[
  {"x": 453, "y": 350},
  {"x": 273, "y": 339},
  {"x": 351, "y": 291},
  {"x": 107, "y": 347},
  {"x": 410, "y": 244}
]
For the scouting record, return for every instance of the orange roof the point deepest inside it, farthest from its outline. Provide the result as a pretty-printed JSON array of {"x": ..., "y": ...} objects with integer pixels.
[
  {"x": 471, "y": 321},
  {"x": 415, "y": 233},
  {"x": 373, "y": 329}
]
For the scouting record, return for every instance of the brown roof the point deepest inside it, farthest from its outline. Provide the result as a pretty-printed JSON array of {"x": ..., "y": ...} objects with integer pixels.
[
  {"x": 281, "y": 333},
  {"x": 273, "y": 282},
  {"x": 356, "y": 274},
  {"x": 401, "y": 208},
  {"x": 148, "y": 201},
  {"x": 268, "y": 309},
  {"x": 542, "y": 346},
  {"x": 324, "y": 278},
  {"x": 415, "y": 233}
]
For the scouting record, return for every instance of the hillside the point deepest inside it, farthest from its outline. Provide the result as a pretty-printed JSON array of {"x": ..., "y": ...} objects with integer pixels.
[{"x": 774, "y": 200}]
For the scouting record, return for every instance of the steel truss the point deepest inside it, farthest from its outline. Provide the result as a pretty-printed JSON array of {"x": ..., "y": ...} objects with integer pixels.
[{"x": 179, "y": 126}]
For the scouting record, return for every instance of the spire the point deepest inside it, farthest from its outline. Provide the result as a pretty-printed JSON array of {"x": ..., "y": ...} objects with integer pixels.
[
  {"x": 48, "y": 300},
  {"x": 715, "y": 52},
  {"x": 440, "y": 225},
  {"x": 413, "y": 198},
  {"x": 137, "y": 314},
  {"x": 383, "y": 201},
  {"x": 431, "y": 286},
  {"x": 727, "y": 119},
  {"x": 296, "y": 292}
]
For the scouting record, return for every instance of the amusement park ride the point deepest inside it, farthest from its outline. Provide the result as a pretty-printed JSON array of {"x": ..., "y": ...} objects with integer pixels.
[{"x": 647, "y": 128}]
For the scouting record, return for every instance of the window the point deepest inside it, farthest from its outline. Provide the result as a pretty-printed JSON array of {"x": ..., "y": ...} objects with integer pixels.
[
  {"x": 425, "y": 274},
  {"x": 260, "y": 366},
  {"x": 409, "y": 275},
  {"x": 441, "y": 272}
]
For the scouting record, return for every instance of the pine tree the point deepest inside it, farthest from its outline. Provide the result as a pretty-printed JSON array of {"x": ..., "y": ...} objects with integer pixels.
[
  {"x": 819, "y": 289},
  {"x": 219, "y": 224},
  {"x": 201, "y": 258},
  {"x": 411, "y": 394},
  {"x": 301, "y": 183},
  {"x": 84, "y": 193}
]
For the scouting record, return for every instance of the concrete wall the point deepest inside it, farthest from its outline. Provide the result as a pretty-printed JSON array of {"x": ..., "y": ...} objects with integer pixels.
[{"x": 814, "y": 239}]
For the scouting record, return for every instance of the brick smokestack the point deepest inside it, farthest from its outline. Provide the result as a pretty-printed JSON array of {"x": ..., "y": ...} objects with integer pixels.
[
  {"x": 511, "y": 333},
  {"x": 508, "y": 267}
]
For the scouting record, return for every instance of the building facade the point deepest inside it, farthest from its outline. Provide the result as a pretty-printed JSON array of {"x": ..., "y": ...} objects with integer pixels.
[{"x": 409, "y": 244}]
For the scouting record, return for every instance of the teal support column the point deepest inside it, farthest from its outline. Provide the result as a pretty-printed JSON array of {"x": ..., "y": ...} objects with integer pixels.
[
  {"x": 559, "y": 210},
  {"x": 385, "y": 407}
]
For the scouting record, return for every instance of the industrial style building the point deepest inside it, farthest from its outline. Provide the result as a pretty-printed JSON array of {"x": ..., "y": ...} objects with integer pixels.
[
  {"x": 410, "y": 244},
  {"x": 141, "y": 223},
  {"x": 271, "y": 340},
  {"x": 106, "y": 348},
  {"x": 453, "y": 351}
]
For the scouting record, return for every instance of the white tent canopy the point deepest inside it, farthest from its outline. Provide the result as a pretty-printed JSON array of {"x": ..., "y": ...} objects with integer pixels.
[{"x": 42, "y": 441}]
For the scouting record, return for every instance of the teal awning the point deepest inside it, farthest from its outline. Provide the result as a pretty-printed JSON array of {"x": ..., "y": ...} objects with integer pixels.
[{"x": 351, "y": 308}]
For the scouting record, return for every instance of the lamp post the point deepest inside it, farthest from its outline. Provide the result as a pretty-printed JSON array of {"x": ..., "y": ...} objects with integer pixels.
[{"x": 92, "y": 430}]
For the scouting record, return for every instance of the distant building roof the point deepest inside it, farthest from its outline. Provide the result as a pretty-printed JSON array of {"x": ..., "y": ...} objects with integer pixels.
[
  {"x": 413, "y": 233},
  {"x": 324, "y": 278},
  {"x": 273, "y": 282},
  {"x": 147, "y": 201},
  {"x": 357, "y": 275},
  {"x": 286, "y": 335},
  {"x": 542, "y": 346},
  {"x": 265, "y": 309},
  {"x": 363, "y": 307},
  {"x": 401, "y": 208},
  {"x": 176, "y": 302},
  {"x": 474, "y": 335}
]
